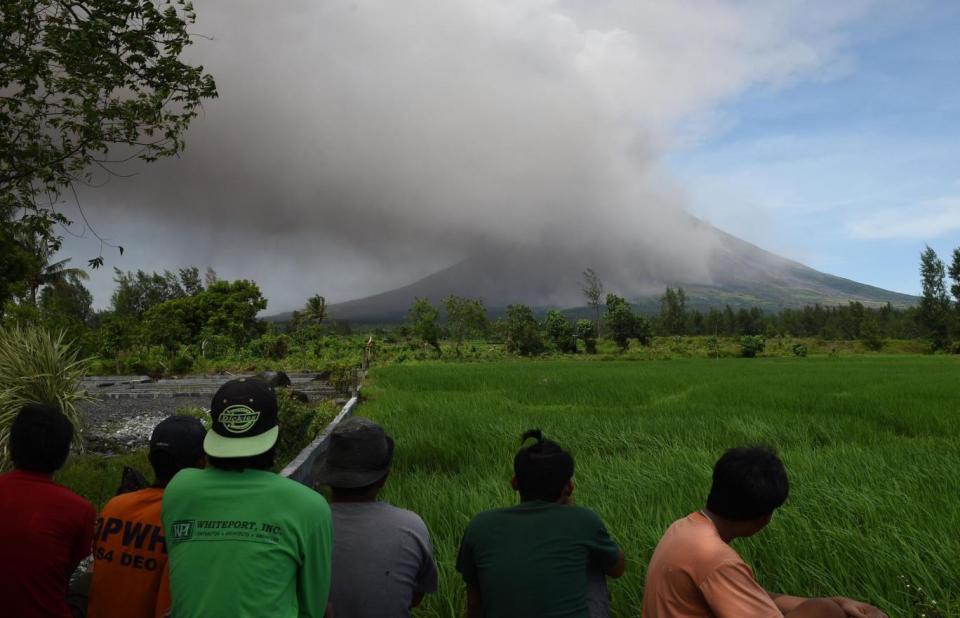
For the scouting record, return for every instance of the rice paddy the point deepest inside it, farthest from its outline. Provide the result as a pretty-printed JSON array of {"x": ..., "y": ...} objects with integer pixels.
[{"x": 871, "y": 444}]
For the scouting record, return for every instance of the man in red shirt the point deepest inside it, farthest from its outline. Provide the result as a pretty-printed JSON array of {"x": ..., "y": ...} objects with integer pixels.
[{"x": 45, "y": 529}]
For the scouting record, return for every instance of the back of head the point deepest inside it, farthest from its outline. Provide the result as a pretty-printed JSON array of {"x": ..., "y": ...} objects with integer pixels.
[
  {"x": 40, "y": 439},
  {"x": 176, "y": 443},
  {"x": 748, "y": 482},
  {"x": 542, "y": 469}
]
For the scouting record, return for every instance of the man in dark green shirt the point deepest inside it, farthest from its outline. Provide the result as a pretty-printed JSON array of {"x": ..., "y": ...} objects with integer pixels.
[{"x": 531, "y": 560}]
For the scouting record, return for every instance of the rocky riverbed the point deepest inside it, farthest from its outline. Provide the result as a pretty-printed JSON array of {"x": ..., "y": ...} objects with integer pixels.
[{"x": 125, "y": 409}]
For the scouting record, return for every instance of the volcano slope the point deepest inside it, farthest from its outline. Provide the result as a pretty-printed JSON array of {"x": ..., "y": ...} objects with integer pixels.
[{"x": 736, "y": 273}]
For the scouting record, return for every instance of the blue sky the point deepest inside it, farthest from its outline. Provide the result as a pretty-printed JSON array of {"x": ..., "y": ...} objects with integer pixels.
[{"x": 851, "y": 173}]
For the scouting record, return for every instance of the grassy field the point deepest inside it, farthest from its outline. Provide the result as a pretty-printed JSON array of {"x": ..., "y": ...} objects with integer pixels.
[{"x": 872, "y": 446}]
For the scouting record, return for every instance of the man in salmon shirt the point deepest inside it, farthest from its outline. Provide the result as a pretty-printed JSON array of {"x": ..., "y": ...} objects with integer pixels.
[
  {"x": 45, "y": 529},
  {"x": 130, "y": 575},
  {"x": 695, "y": 573}
]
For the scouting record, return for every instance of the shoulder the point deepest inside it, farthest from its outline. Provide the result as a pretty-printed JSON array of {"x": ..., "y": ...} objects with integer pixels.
[
  {"x": 697, "y": 545},
  {"x": 298, "y": 495},
  {"x": 403, "y": 517},
  {"x": 73, "y": 501},
  {"x": 184, "y": 480},
  {"x": 583, "y": 514},
  {"x": 135, "y": 499}
]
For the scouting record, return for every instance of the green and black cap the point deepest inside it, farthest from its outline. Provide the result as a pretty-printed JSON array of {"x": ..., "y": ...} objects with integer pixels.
[{"x": 244, "y": 413}]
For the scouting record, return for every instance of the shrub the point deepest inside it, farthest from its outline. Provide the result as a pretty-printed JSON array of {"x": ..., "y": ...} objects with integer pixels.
[
  {"x": 587, "y": 332},
  {"x": 181, "y": 363},
  {"x": 522, "y": 331},
  {"x": 623, "y": 325},
  {"x": 342, "y": 375},
  {"x": 274, "y": 347},
  {"x": 300, "y": 423},
  {"x": 37, "y": 366},
  {"x": 560, "y": 331},
  {"x": 799, "y": 350},
  {"x": 751, "y": 345}
]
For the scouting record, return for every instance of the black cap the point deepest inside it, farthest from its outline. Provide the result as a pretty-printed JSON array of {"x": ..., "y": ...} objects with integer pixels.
[
  {"x": 359, "y": 454},
  {"x": 181, "y": 436},
  {"x": 244, "y": 413}
]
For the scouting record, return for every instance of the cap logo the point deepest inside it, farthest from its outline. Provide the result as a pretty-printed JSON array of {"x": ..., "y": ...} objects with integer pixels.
[{"x": 238, "y": 418}]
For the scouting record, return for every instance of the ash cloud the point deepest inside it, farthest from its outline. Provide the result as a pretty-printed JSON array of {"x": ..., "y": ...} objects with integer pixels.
[{"x": 357, "y": 145}]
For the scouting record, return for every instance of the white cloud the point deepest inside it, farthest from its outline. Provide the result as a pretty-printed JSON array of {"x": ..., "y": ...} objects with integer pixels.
[{"x": 925, "y": 221}]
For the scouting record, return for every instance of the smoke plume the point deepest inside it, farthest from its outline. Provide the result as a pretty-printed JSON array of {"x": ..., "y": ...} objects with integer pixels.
[{"x": 359, "y": 144}]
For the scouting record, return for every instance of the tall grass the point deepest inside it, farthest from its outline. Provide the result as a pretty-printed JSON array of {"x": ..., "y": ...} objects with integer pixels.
[
  {"x": 37, "y": 366},
  {"x": 872, "y": 446}
]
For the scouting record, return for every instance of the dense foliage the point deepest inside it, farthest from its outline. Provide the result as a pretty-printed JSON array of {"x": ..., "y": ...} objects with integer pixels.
[{"x": 87, "y": 85}]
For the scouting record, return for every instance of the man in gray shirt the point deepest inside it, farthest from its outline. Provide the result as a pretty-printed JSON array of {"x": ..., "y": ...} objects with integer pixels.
[{"x": 382, "y": 556}]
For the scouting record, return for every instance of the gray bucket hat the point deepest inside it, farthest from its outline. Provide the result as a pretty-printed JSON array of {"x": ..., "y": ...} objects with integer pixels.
[{"x": 359, "y": 454}]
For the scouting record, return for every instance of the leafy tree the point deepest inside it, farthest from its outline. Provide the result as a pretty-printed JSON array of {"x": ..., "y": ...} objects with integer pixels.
[
  {"x": 225, "y": 309},
  {"x": 870, "y": 335},
  {"x": 190, "y": 280},
  {"x": 210, "y": 277},
  {"x": 593, "y": 292},
  {"x": 15, "y": 264},
  {"x": 673, "y": 312},
  {"x": 623, "y": 325},
  {"x": 560, "y": 331},
  {"x": 137, "y": 292},
  {"x": 934, "y": 307},
  {"x": 315, "y": 310},
  {"x": 522, "y": 331},
  {"x": 751, "y": 345},
  {"x": 465, "y": 317},
  {"x": 586, "y": 331},
  {"x": 955, "y": 276},
  {"x": 422, "y": 318},
  {"x": 88, "y": 83}
]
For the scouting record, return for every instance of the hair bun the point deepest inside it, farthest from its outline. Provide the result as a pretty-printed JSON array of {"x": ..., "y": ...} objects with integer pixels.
[{"x": 536, "y": 434}]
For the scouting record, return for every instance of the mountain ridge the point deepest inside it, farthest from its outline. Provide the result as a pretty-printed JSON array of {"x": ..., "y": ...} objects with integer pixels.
[{"x": 738, "y": 273}]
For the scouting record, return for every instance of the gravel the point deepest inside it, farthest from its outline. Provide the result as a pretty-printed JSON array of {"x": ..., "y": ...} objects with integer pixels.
[{"x": 118, "y": 425}]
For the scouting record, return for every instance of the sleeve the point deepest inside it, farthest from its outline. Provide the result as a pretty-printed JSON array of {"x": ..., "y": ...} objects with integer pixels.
[
  {"x": 83, "y": 539},
  {"x": 604, "y": 552},
  {"x": 466, "y": 564},
  {"x": 732, "y": 592},
  {"x": 313, "y": 579},
  {"x": 164, "y": 604},
  {"x": 427, "y": 577}
]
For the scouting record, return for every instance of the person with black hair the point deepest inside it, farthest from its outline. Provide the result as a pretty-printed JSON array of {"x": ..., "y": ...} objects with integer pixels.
[
  {"x": 532, "y": 560},
  {"x": 382, "y": 555},
  {"x": 45, "y": 529},
  {"x": 694, "y": 572},
  {"x": 130, "y": 575},
  {"x": 243, "y": 541}
]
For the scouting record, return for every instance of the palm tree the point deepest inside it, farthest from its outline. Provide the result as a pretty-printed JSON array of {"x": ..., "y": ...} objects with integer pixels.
[
  {"x": 315, "y": 311},
  {"x": 45, "y": 272}
]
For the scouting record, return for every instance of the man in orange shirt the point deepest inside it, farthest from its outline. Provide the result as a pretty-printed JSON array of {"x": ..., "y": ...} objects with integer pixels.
[
  {"x": 130, "y": 575},
  {"x": 694, "y": 573}
]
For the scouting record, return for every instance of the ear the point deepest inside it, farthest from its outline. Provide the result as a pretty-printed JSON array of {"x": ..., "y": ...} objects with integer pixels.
[
  {"x": 201, "y": 462},
  {"x": 514, "y": 484}
]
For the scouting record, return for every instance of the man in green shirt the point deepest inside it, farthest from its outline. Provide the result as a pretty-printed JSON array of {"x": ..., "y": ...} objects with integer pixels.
[
  {"x": 531, "y": 560},
  {"x": 243, "y": 542}
]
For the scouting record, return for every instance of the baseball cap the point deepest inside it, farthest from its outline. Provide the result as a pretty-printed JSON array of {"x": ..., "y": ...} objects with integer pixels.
[
  {"x": 359, "y": 454},
  {"x": 244, "y": 413},
  {"x": 181, "y": 436}
]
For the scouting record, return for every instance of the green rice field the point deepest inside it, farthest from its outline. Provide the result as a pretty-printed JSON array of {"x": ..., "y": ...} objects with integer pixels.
[{"x": 871, "y": 444}]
